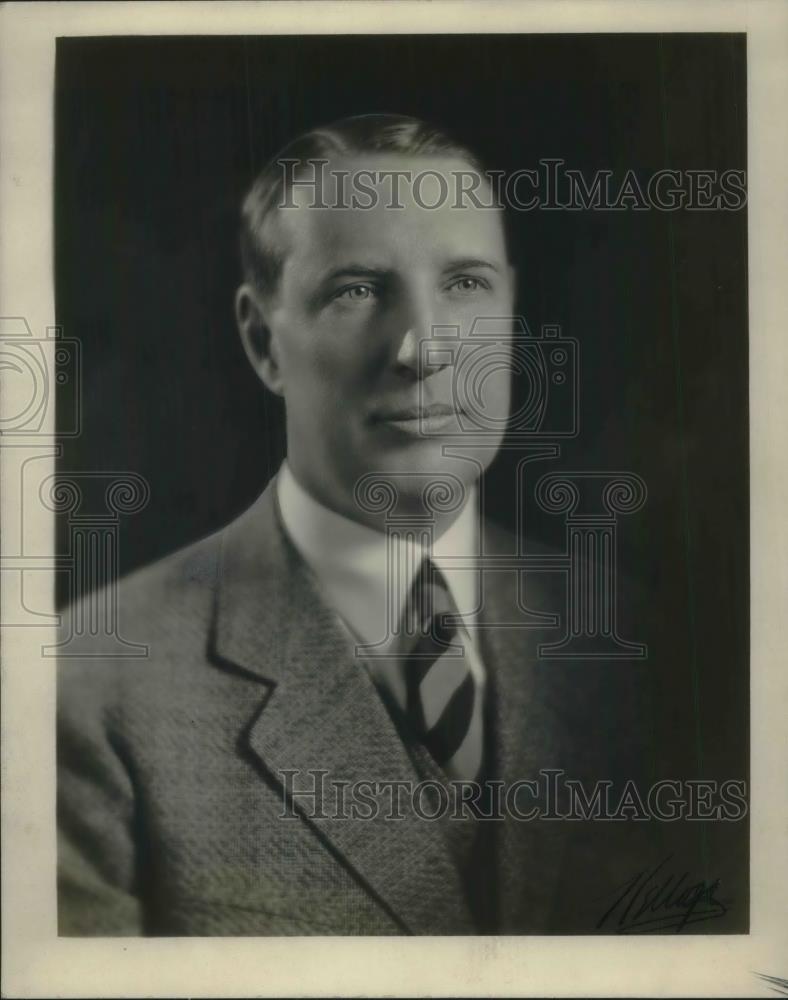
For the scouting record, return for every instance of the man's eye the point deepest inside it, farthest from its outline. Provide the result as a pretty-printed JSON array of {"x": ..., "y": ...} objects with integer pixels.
[
  {"x": 468, "y": 285},
  {"x": 356, "y": 293}
]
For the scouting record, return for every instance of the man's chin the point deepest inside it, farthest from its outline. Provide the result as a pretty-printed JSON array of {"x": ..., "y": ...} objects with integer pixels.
[{"x": 421, "y": 456}]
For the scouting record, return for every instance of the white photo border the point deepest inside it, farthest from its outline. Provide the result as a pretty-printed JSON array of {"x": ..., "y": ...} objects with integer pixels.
[{"x": 35, "y": 961}]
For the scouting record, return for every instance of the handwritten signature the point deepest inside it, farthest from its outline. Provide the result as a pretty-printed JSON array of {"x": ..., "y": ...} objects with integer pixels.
[{"x": 656, "y": 900}]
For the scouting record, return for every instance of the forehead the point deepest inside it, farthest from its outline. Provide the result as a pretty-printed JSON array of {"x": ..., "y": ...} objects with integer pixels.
[{"x": 431, "y": 223}]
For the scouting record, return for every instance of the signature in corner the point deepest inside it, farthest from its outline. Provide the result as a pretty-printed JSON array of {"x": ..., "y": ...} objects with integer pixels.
[{"x": 656, "y": 900}]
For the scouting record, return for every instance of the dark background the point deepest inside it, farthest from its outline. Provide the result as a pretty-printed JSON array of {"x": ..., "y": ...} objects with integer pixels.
[{"x": 156, "y": 142}]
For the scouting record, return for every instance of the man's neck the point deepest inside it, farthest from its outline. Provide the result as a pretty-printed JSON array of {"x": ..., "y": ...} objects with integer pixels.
[{"x": 383, "y": 503}]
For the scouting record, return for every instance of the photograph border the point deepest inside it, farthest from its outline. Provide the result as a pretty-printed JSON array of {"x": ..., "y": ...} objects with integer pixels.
[{"x": 38, "y": 963}]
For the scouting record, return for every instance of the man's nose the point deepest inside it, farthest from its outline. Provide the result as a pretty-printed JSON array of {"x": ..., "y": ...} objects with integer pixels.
[{"x": 413, "y": 354}]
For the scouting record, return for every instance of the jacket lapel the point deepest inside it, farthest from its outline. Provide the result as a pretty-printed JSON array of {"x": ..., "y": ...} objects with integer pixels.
[{"x": 324, "y": 714}]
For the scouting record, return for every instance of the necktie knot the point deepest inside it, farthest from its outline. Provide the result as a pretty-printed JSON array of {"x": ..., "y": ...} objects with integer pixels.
[{"x": 431, "y": 612}]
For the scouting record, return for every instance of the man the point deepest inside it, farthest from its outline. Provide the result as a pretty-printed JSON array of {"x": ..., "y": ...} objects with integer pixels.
[{"x": 340, "y": 634}]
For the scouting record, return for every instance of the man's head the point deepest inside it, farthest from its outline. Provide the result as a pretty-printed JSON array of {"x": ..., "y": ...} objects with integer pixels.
[{"x": 338, "y": 302}]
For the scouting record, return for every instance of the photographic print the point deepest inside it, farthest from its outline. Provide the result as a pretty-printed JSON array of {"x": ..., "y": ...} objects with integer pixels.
[
  {"x": 390, "y": 448},
  {"x": 413, "y": 433}
]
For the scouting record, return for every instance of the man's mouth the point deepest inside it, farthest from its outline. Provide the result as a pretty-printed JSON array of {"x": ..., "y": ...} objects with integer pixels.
[{"x": 429, "y": 419}]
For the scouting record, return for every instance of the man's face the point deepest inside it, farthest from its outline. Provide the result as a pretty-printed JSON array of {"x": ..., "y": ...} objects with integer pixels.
[{"x": 360, "y": 290}]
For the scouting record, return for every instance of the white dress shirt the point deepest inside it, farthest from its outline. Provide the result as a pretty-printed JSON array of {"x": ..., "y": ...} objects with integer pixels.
[{"x": 351, "y": 563}]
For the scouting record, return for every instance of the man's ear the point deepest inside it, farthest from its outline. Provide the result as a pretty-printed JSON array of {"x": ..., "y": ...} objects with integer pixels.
[{"x": 257, "y": 339}]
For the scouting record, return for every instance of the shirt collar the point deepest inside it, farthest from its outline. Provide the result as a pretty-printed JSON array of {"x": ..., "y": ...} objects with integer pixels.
[{"x": 350, "y": 559}]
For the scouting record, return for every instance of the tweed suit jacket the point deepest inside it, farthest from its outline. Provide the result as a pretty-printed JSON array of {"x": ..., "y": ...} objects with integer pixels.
[{"x": 170, "y": 768}]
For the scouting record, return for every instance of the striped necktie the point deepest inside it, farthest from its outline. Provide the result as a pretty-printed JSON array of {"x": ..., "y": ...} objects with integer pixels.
[{"x": 443, "y": 696}]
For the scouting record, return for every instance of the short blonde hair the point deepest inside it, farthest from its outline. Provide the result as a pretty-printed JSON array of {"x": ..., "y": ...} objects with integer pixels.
[{"x": 262, "y": 258}]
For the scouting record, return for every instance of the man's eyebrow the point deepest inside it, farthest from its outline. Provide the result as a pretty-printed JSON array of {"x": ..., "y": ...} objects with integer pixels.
[
  {"x": 464, "y": 263},
  {"x": 354, "y": 270}
]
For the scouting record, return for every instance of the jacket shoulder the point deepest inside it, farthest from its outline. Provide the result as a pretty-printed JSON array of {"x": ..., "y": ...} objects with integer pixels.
[
  {"x": 140, "y": 635},
  {"x": 173, "y": 585}
]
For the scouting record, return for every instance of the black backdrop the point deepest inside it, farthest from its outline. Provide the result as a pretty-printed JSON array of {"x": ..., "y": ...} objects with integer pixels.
[{"x": 156, "y": 141}]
